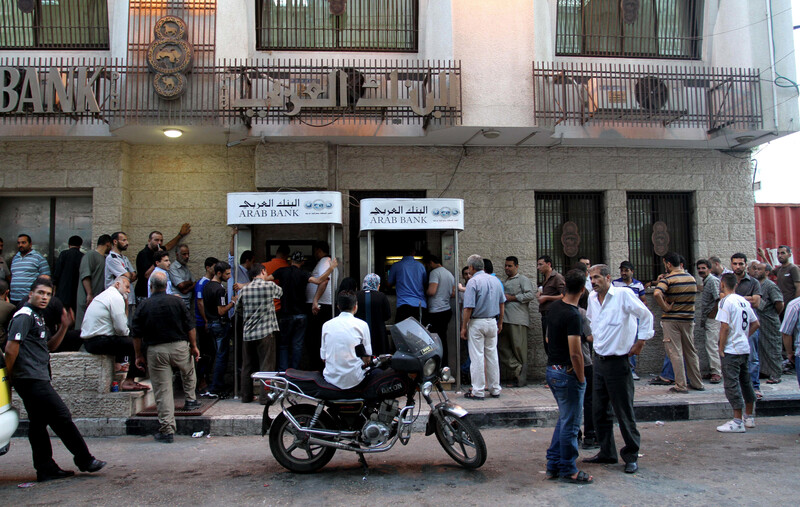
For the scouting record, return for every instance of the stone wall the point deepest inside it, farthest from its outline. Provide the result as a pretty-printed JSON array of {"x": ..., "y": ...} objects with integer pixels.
[{"x": 139, "y": 188}]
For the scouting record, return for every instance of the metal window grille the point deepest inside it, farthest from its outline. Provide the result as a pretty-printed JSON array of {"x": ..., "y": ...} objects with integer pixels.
[
  {"x": 553, "y": 211},
  {"x": 55, "y": 24},
  {"x": 365, "y": 25},
  {"x": 630, "y": 29},
  {"x": 646, "y": 209}
]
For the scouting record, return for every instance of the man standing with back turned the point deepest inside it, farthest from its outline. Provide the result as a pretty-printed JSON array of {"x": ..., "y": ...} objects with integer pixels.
[{"x": 618, "y": 334}]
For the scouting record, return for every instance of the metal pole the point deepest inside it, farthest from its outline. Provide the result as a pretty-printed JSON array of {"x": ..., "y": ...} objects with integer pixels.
[
  {"x": 456, "y": 273},
  {"x": 235, "y": 322},
  {"x": 370, "y": 253},
  {"x": 334, "y": 273}
]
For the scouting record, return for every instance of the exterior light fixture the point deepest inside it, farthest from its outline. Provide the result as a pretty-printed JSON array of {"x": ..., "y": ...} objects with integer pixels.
[
  {"x": 491, "y": 134},
  {"x": 173, "y": 133}
]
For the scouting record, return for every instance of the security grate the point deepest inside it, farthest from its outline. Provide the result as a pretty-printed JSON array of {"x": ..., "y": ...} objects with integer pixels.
[
  {"x": 630, "y": 29},
  {"x": 62, "y": 24},
  {"x": 648, "y": 239},
  {"x": 556, "y": 238},
  {"x": 364, "y": 25}
]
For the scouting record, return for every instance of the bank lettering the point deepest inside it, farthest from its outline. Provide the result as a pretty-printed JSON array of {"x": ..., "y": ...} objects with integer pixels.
[
  {"x": 68, "y": 91},
  {"x": 398, "y": 220},
  {"x": 266, "y": 213}
]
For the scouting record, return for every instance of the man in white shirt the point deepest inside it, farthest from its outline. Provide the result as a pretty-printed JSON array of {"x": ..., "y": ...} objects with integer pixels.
[
  {"x": 737, "y": 323},
  {"x": 161, "y": 262},
  {"x": 346, "y": 346},
  {"x": 105, "y": 330},
  {"x": 620, "y": 324},
  {"x": 320, "y": 304}
]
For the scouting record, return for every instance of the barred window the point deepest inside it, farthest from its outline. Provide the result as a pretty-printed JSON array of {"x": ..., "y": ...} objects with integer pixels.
[
  {"x": 630, "y": 28},
  {"x": 364, "y": 25},
  {"x": 658, "y": 223},
  {"x": 54, "y": 24},
  {"x": 568, "y": 226}
]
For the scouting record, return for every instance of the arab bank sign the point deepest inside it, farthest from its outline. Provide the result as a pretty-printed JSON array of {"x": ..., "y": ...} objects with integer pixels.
[
  {"x": 284, "y": 208},
  {"x": 412, "y": 214}
]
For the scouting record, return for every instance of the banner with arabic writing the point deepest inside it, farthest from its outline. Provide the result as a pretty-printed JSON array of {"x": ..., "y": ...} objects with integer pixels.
[
  {"x": 412, "y": 214},
  {"x": 284, "y": 208}
]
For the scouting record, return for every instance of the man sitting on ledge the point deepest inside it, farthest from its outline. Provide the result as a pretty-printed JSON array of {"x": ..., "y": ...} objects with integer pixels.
[{"x": 105, "y": 330}]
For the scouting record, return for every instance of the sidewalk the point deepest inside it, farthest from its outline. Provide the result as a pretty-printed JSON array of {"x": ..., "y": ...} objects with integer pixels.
[
  {"x": 531, "y": 406},
  {"x": 526, "y": 406}
]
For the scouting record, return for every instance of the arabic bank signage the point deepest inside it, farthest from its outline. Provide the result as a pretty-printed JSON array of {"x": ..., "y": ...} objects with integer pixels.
[
  {"x": 67, "y": 90},
  {"x": 285, "y": 208},
  {"x": 412, "y": 214}
]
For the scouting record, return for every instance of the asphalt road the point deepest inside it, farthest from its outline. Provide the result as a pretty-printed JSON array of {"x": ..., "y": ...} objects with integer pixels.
[{"x": 681, "y": 463}]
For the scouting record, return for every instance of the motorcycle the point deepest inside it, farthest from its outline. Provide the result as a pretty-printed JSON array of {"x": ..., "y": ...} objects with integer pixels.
[
  {"x": 317, "y": 418},
  {"x": 9, "y": 418}
]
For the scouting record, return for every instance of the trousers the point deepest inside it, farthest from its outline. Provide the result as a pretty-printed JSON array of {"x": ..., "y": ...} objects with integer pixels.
[
  {"x": 161, "y": 358},
  {"x": 613, "y": 390},
  {"x": 484, "y": 366},
  {"x": 257, "y": 355}
]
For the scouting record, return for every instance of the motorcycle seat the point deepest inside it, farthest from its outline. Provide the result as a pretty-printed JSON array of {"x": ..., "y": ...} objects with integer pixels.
[{"x": 314, "y": 384}]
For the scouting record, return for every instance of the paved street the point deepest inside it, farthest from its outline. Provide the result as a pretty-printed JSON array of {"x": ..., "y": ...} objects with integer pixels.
[{"x": 686, "y": 462}]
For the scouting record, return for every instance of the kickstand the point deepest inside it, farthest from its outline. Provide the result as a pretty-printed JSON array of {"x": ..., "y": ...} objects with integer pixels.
[{"x": 364, "y": 465}]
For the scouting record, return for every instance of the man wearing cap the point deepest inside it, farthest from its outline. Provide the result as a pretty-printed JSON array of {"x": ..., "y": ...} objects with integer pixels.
[
  {"x": 292, "y": 318},
  {"x": 626, "y": 279}
]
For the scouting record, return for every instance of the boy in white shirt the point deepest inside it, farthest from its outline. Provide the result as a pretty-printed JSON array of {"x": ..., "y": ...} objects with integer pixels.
[{"x": 737, "y": 323}]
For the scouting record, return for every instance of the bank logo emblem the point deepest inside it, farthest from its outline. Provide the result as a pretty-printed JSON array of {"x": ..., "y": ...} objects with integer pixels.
[
  {"x": 169, "y": 57},
  {"x": 445, "y": 212},
  {"x": 319, "y": 205}
]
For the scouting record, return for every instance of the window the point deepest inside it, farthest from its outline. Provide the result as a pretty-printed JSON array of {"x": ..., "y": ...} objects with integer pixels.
[
  {"x": 630, "y": 28},
  {"x": 49, "y": 221},
  {"x": 365, "y": 25},
  {"x": 658, "y": 223},
  {"x": 568, "y": 227},
  {"x": 54, "y": 24}
]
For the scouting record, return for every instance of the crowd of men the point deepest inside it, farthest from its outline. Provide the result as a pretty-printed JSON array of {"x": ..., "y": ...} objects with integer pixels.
[{"x": 156, "y": 319}]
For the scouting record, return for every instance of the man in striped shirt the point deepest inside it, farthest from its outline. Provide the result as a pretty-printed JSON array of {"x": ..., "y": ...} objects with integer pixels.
[
  {"x": 26, "y": 265},
  {"x": 675, "y": 294}
]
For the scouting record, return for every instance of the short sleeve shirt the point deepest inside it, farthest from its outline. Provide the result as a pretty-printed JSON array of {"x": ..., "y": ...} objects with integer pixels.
[
  {"x": 116, "y": 265},
  {"x": 748, "y": 286},
  {"x": 679, "y": 290},
  {"x": 214, "y": 296},
  {"x": 636, "y": 286},
  {"x": 29, "y": 329},
  {"x": 440, "y": 302},
  {"x": 293, "y": 281},
  {"x": 484, "y": 294},
  {"x": 786, "y": 277},
  {"x": 198, "y": 296},
  {"x": 791, "y": 323},
  {"x": 311, "y": 288},
  {"x": 144, "y": 261},
  {"x": 736, "y": 311},
  {"x": 553, "y": 286},
  {"x": 563, "y": 320},
  {"x": 24, "y": 270},
  {"x": 179, "y": 273},
  {"x": 340, "y": 337}
]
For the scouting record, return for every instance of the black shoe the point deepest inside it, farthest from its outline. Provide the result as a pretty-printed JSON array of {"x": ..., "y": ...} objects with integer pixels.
[
  {"x": 164, "y": 438},
  {"x": 631, "y": 468},
  {"x": 53, "y": 475},
  {"x": 597, "y": 459},
  {"x": 191, "y": 405},
  {"x": 92, "y": 466}
]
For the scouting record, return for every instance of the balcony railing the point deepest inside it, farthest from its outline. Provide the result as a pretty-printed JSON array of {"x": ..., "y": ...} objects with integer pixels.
[
  {"x": 317, "y": 25},
  {"x": 249, "y": 92},
  {"x": 64, "y": 24},
  {"x": 644, "y": 95}
]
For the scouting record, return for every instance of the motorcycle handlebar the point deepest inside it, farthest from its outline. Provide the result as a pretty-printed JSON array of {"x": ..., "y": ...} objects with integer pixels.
[{"x": 377, "y": 361}]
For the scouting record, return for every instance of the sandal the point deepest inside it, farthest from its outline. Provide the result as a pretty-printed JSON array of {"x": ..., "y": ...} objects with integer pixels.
[
  {"x": 678, "y": 391},
  {"x": 773, "y": 381},
  {"x": 551, "y": 475},
  {"x": 580, "y": 478},
  {"x": 468, "y": 395},
  {"x": 658, "y": 381}
]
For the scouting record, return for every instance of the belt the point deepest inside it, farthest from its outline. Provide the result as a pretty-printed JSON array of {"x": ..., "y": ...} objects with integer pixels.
[
  {"x": 494, "y": 317},
  {"x": 606, "y": 358}
]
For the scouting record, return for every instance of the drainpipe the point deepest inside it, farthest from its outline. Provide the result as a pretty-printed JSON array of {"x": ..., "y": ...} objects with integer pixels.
[{"x": 768, "y": 4}]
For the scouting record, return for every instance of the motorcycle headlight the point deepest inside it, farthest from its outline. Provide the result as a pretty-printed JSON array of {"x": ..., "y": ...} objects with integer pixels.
[
  {"x": 429, "y": 367},
  {"x": 446, "y": 376}
]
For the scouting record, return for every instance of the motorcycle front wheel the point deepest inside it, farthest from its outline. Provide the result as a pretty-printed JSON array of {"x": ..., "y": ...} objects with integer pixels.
[
  {"x": 291, "y": 447},
  {"x": 462, "y": 440}
]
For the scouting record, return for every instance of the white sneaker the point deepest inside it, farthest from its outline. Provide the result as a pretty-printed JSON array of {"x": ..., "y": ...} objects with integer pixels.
[
  {"x": 635, "y": 376},
  {"x": 750, "y": 422},
  {"x": 731, "y": 427}
]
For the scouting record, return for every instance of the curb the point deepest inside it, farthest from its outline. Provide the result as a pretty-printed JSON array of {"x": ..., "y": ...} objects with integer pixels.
[{"x": 518, "y": 417}]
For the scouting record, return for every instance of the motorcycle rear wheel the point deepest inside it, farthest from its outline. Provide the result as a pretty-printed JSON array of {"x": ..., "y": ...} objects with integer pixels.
[
  {"x": 462, "y": 440},
  {"x": 291, "y": 447}
]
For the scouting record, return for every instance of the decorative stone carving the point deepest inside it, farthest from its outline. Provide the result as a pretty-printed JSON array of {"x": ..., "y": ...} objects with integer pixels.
[
  {"x": 169, "y": 57},
  {"x": 570, "y": 239}
]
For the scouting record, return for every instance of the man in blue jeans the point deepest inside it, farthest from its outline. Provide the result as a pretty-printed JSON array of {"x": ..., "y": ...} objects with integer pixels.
[
  {"x": 565, "y": 377},
  {"x": 216, "y": 304}
]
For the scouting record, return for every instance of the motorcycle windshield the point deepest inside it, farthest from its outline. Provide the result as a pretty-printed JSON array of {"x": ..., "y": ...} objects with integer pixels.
[{"x": 411, "y": 337}]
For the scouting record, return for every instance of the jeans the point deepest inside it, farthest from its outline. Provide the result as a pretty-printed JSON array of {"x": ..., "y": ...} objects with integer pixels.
[
  {"x": 632, "y": 361},
  {"x": 666, "y": 369},
  {"x": 753, "y": 363},
  {"x": 568, "y": 392},
  {"x": 221, "y": 333},
  {"x": 292, "y": 335}
]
